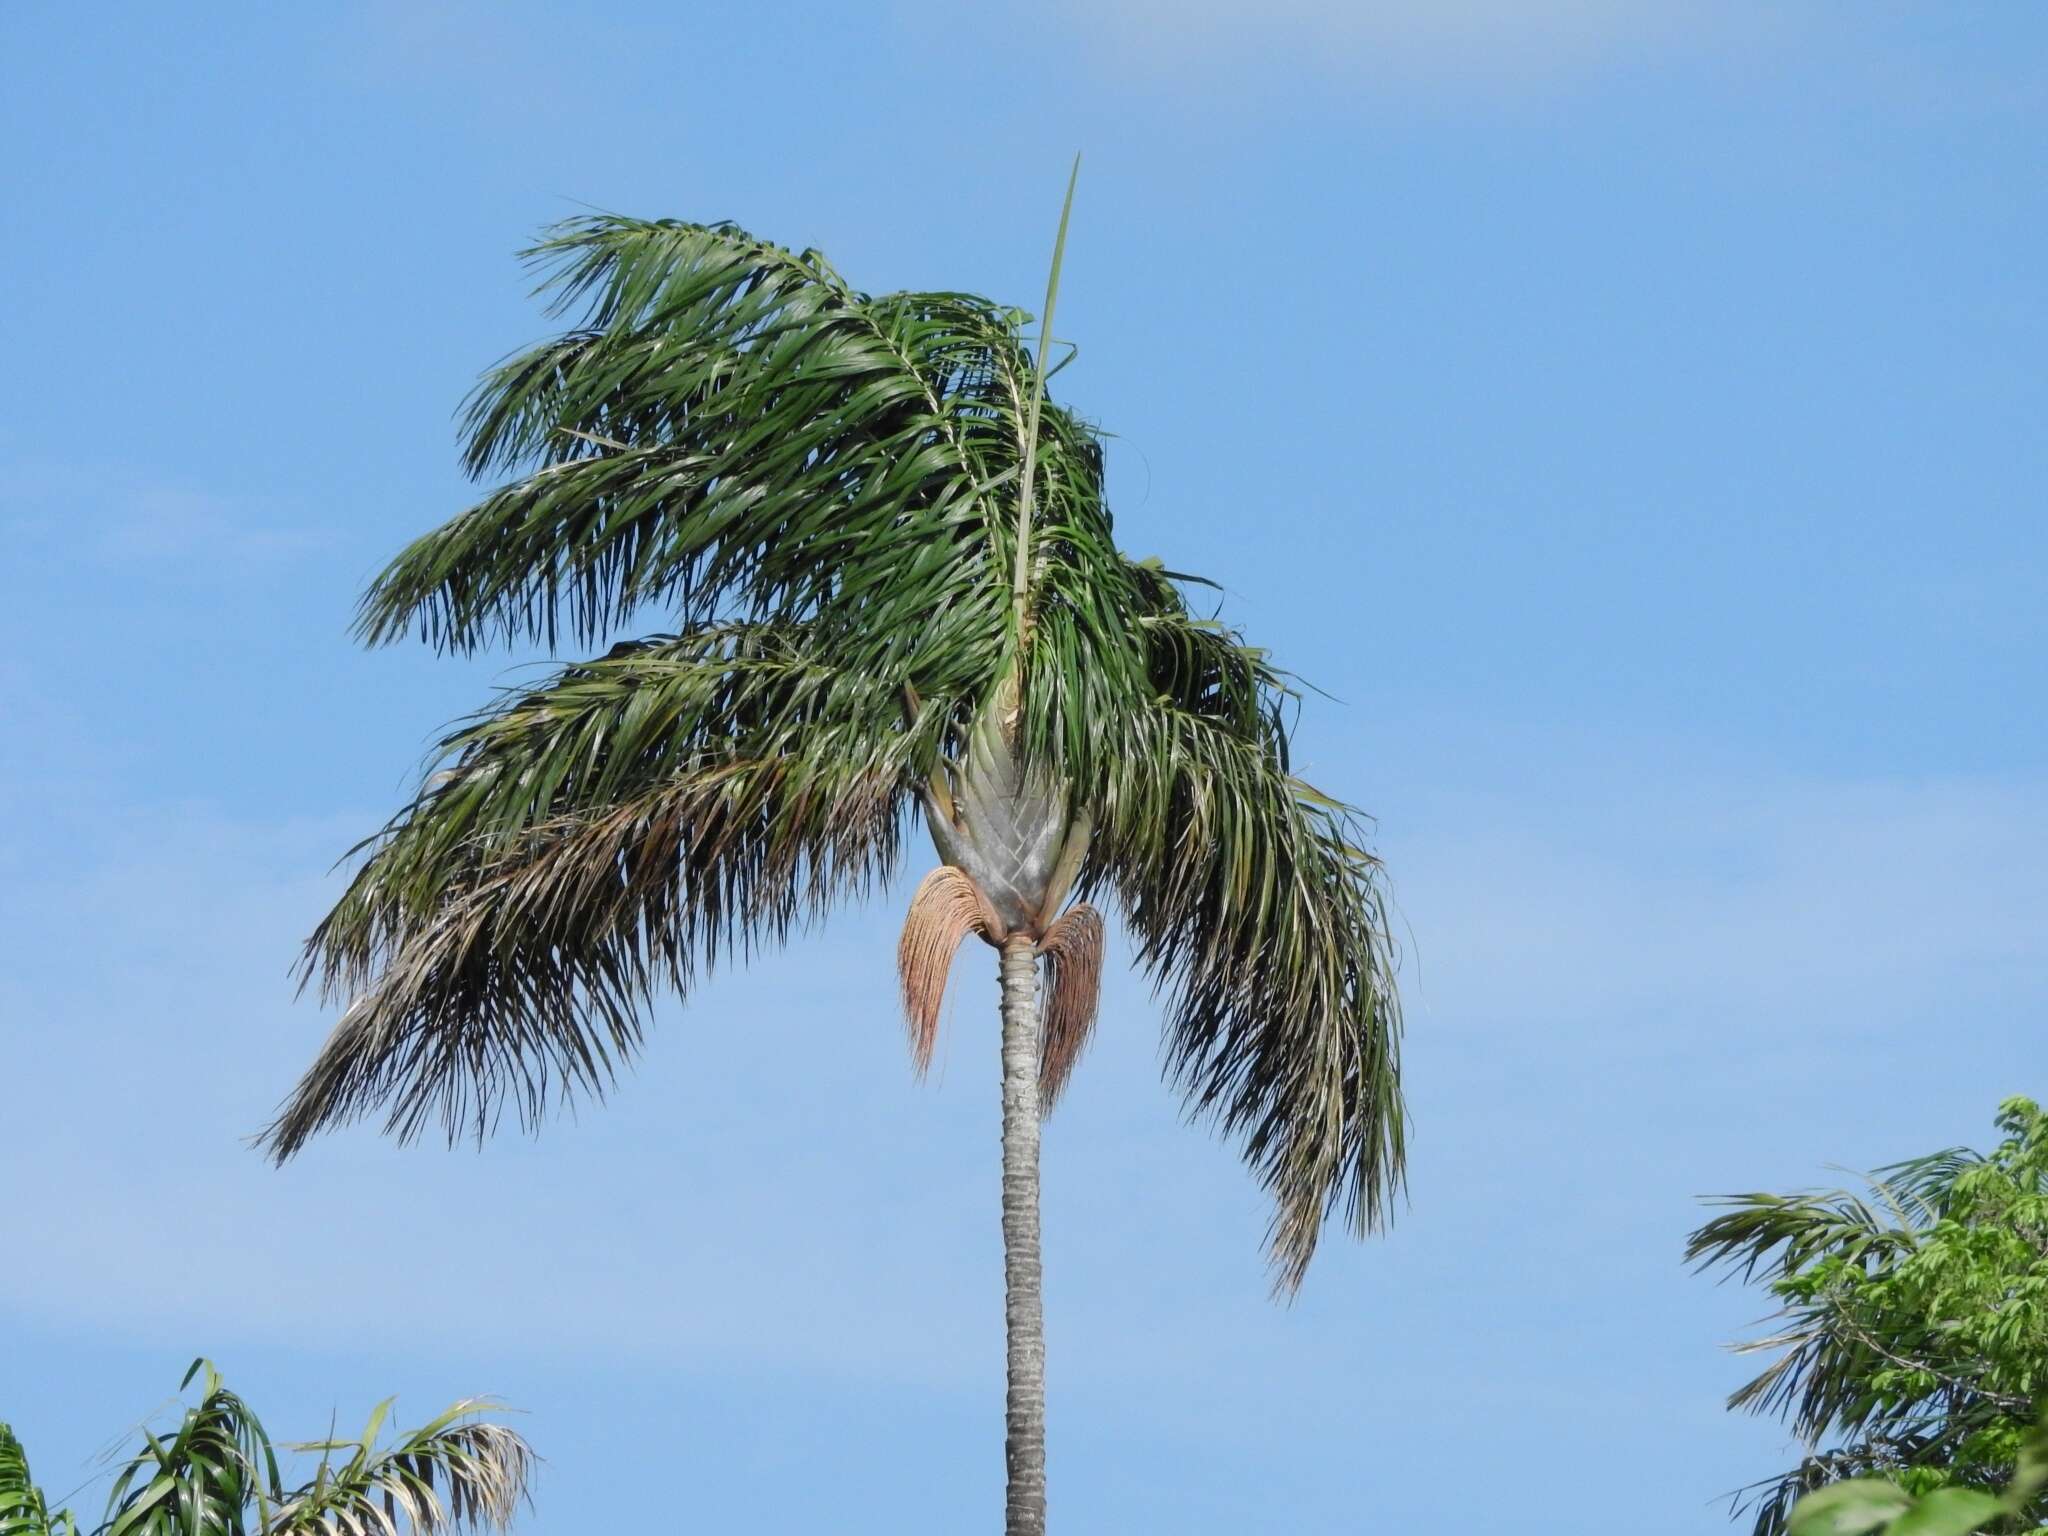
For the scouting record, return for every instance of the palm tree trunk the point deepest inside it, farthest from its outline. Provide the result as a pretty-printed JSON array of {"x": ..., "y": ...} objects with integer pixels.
[{"x": 1023, "y": 1302}]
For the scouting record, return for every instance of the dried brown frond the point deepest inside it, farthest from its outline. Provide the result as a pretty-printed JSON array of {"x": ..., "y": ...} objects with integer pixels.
[
  {"x": 1072, "y": 948},
  {"x": 947, "y": 907}
]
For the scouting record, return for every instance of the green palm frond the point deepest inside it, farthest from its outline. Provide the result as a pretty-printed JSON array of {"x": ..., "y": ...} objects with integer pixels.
[
  {"x": 1260, "y": 917},
  {"x": 733, "y": 430},
  {"x": 23, "y": 1509},
  {"x": 593, "y": 842},
  {"x": 1765, "y": 1234},
  {"x": 1823, "y": 1368},
  {"x": 600, "y": 735},
  {"x": 456, "y": 1473},
  {"x": 204, "y": 1479},
  {"x": 1921, "y": 1189}
]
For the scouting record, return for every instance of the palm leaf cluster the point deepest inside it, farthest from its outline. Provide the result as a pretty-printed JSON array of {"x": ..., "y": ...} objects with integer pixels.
[
  {"x": 217, "y": 1474},
  {"x": 813, "y": 493}
]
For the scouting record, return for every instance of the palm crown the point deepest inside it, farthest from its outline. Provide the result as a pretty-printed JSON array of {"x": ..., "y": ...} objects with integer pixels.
[{"x": 890, "y": 590}]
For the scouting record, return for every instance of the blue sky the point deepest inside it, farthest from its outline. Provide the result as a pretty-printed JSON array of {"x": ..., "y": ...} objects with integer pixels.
[{"x": 1630, "y": 411}]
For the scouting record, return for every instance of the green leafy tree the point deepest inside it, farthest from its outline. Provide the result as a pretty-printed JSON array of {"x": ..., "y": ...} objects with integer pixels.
[
  {"x": 889, "y": 592},
  {"x": 217, "y": 1474},
  {"x": 1912, "y": 1343}
]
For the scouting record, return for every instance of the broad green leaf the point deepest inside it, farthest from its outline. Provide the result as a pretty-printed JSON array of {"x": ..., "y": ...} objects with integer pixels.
[
  {"x": 1947, "y": 1512},
  {"x": 1848, "y": 1508}
]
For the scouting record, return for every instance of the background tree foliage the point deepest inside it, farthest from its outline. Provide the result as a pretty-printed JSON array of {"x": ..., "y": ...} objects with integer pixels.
[{"x": 1913, "y": 1337}]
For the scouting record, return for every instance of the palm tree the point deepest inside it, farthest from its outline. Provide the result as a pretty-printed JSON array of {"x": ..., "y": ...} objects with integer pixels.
[
  {"x": 217, "y": 1475},
  {"x": 892, "y": 592}
]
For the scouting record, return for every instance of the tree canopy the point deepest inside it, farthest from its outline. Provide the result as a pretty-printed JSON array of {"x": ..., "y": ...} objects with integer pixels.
[{"x": 1912, "y": 1340}]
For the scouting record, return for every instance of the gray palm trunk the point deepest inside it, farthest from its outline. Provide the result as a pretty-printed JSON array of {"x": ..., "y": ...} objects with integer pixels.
[
  {"x": 1012, "y": 832},
  {"x": 1023, "y": 1297}
]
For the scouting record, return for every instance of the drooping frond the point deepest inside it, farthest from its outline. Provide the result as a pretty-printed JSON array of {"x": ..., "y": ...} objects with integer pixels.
[
  {"x": 1763, "y": 1233},
  {"x": 594, "y": 738},
  {"x": 593, "y": 842},
  {"x": 214, "y": 1476},
  {"x": 1072, "y": 948},
  {"x": 1260, "y": 916},
  {"x": 458, "y": 1473},
  {"x": 944, "y": 910},
  {"x": 23, "y": 1509}
]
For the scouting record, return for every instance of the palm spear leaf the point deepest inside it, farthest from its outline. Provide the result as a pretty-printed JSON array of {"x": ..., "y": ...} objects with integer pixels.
[{"x": 455, "y": 1473}]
